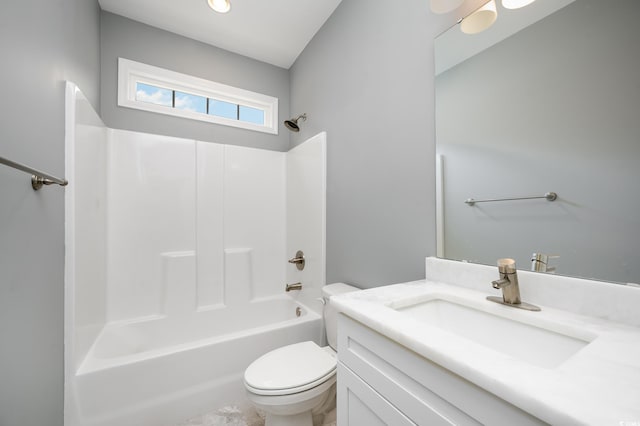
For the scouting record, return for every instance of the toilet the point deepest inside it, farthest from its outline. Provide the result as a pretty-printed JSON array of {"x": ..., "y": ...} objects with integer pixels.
[{"x": 293, "y": 383}]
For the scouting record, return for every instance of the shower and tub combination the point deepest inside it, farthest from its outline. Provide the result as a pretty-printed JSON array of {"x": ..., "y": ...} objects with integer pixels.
[{"x": 176, "y": 267}]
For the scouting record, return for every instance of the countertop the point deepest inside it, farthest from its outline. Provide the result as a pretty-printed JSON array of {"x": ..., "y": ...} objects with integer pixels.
[{"x": 598, "y": 385}]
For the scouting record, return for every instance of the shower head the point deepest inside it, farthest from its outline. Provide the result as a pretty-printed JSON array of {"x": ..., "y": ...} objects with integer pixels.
[{"x": 293, "y": 123}]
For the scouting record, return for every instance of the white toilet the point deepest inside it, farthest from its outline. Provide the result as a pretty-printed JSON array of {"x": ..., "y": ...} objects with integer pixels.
[{"x": 292, "y": 383}]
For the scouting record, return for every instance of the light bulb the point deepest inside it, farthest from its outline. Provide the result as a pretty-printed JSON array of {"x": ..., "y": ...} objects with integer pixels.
[
  {"x": 481, "y": 19},
  {"x": 516, "y": 4},
  {"x": 220, "y": 6}
]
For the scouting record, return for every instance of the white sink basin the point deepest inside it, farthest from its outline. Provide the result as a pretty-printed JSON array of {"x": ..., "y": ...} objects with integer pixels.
[{"x": 534, "y": 344}]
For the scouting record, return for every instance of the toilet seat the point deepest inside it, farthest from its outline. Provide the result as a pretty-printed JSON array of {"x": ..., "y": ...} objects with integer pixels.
[{"x": 290, "y": 369}]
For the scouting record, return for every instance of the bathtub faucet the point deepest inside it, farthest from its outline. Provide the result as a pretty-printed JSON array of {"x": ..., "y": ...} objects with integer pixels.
[{"x": 294, "y": 286}]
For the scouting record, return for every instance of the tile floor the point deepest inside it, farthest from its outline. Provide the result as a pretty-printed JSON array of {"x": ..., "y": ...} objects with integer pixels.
[
  {"x": 227, "y": 416},
  {"x": 234, "y": 416}
]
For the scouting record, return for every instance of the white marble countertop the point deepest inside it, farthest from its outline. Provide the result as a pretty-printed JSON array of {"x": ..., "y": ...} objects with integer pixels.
[{"x": 598, "y": 385}]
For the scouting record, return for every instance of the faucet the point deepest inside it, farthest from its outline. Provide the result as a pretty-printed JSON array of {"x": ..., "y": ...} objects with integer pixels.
[
  {"x": 294, "y": 286},
  {"x": 540, "y": 262},
  {"x": 508, "y": 283}
]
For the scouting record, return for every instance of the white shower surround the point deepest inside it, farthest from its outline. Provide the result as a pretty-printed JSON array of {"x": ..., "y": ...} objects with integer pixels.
[
  {"x": 201, "y": 215},
  {"x": 171, "y": 238}
]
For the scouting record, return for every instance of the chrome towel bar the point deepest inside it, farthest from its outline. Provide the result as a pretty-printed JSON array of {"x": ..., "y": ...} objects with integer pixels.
[
  {"x": 38, "y": 178},
  {"x": 549, "y": 196}
]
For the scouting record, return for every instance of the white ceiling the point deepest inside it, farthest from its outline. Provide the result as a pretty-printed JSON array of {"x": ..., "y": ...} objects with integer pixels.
[{"x": 273, "y": 31}]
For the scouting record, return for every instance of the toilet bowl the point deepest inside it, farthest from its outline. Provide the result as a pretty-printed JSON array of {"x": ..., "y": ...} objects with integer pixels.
[{"x": 294, "y": 383}]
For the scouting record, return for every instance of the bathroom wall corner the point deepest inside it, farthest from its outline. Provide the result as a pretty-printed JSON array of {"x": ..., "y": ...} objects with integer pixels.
[{"x": 306, "y": 216}]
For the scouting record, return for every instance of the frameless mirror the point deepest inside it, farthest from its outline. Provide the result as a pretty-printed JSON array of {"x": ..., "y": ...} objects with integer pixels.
[{"x": 545, "y": 100}]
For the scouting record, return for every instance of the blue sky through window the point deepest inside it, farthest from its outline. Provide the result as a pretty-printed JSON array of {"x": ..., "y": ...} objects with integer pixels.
[
  {"x": 190, "y": 102},
  {"x": 251, "y": 115},
  {"x": 153, "y": 94},
  {"x": 223, "y": 109},
  {"x": 186, "y": 101}
]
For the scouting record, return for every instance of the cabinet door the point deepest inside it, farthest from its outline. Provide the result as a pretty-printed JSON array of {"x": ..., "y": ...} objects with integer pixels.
[
  {"x": 423, "y": 391},
  {"x": 359, "y": 404}
]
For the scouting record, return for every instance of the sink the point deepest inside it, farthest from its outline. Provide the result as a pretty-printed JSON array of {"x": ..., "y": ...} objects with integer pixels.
[{"x": 537, "y": 345}]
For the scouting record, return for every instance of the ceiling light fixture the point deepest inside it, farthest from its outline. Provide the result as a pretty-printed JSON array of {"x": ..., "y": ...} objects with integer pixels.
[
  {"x": 516, "y": 4},
  {"x": 481, "y": 19},
  {"x": 445, "y": 6},
  {"x": 220, "y": 6}
]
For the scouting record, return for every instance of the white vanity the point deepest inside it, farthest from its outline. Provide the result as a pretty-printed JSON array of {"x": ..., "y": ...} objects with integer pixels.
[{"x": 436, "y": 352}]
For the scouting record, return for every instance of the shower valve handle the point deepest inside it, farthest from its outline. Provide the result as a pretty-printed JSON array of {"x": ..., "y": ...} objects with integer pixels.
[{"x": 298, "y": 260}]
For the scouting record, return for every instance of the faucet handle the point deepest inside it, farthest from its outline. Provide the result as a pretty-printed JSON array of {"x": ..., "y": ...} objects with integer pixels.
[
  {"x": 299, "y": 260},
  {"x": 506, "y": 266}
]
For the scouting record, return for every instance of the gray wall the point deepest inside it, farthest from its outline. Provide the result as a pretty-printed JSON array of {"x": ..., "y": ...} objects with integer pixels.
[
  {"x": 367, "y": 79},
  {"x": 122, "y": 37},
  {"x": 548, "y": 120},
  {"x": 42, "y": 44}
]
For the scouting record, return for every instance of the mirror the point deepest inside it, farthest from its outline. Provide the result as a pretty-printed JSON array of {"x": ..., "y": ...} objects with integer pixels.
[{"x": 545, "y": 100}]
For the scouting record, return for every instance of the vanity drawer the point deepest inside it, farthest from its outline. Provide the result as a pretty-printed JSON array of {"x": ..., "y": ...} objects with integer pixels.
[{"x": 425, "y": 392}]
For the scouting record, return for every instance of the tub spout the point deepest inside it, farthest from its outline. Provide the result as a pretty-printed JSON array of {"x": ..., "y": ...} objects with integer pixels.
[{"x": 294, "y": 286}]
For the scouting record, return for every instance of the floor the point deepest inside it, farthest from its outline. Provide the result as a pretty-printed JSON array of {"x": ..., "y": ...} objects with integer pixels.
[
  {"x": 227, "y": 416},
  {"x": 234, "y": 416}
]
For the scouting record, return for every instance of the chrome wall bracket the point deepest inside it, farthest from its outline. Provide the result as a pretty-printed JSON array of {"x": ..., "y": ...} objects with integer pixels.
[
  {"x": 38, "y": 181},
  {"x": 38, "y": 178}
]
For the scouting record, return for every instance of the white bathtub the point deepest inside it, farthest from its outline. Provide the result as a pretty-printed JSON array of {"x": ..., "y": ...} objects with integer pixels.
[{"x": 162, "y": 370}]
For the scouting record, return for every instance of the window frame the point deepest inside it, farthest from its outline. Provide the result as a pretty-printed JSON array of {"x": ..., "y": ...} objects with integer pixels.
[{"x": 131, "y": 72}]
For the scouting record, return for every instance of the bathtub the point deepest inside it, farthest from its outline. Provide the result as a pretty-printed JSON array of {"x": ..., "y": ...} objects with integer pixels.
[{"x": 162, "y": 370}]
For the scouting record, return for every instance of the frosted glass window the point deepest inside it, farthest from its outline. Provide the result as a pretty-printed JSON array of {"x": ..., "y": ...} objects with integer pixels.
[
  {"x": 251, "y": 115},
  {"x": 190, "y": 102},
  {"x": 223, "y": 109},
  {"x": 154, "y": 95}
]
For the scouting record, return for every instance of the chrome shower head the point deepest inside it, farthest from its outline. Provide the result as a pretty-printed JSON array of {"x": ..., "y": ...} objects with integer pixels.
[{"x": 293, "y": 123}]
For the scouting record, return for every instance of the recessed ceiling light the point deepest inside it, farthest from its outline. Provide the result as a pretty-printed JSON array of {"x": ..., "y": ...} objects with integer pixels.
[{"x": 220, "y": 6}]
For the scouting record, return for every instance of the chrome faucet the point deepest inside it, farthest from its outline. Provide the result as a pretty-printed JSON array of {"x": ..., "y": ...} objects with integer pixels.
[{"x": 508, "y": 283}]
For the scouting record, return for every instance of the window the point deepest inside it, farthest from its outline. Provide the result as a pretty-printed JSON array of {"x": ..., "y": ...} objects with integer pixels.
[
  {"x": 223, "y": 109},
  {"x": 154, "y": 89},
  {"x": 153, "y": 94}
]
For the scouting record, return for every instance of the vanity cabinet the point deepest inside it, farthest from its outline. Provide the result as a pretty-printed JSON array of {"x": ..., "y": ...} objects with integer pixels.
[{"x": 380, "y": 382}]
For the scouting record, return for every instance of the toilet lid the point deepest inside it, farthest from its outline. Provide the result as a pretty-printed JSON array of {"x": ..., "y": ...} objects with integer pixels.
[{"x": 299, "y": 366}]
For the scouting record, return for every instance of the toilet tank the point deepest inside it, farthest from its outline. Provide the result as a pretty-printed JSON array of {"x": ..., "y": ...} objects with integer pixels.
[{"x": 330, "y": 314}]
